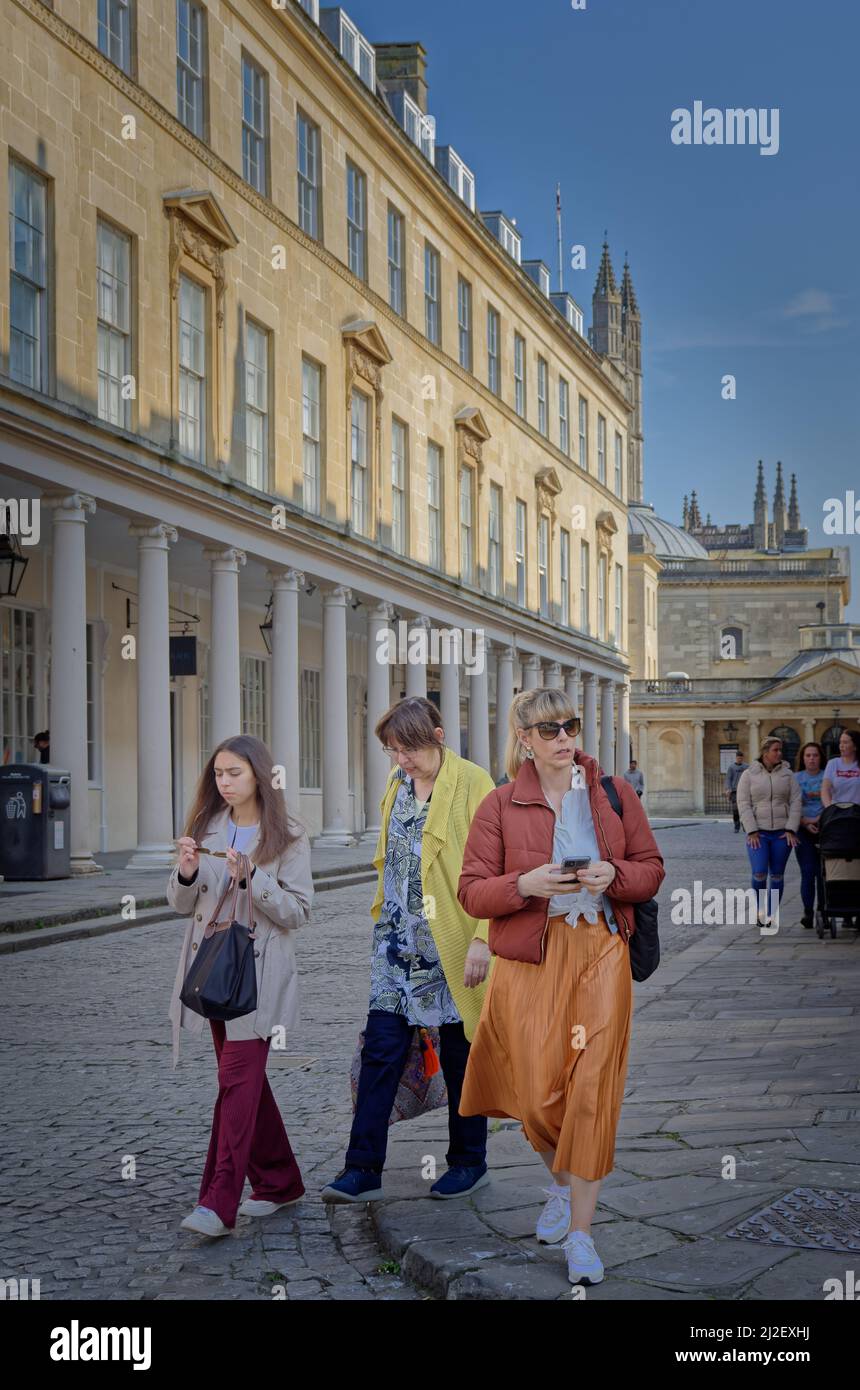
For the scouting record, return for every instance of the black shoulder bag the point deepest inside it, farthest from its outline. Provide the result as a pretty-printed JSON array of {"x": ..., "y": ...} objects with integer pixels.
[
  {"x": 644, "y": 944},
  {"x": 222, "y": 981}
]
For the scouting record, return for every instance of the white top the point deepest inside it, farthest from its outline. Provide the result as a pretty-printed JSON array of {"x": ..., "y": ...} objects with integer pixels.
[
  {"x": 239, "y": 838},
  {"x": 844, "y": 778},
  {"x": 574, "y": 838}
]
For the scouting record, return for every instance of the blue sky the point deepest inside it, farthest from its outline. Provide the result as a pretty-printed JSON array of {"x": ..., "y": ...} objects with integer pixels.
[{"x": 743, "y": 263}]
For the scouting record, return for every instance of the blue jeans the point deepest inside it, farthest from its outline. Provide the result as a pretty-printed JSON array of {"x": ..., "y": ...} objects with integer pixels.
[
  {"x": 807, "y": 858},
  {"x": 771, "y": 858},
  {"x": 387, "y": 1039}
]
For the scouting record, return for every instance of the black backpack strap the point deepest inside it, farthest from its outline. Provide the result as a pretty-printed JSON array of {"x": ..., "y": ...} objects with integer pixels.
[{"x": 608, "y": 785}]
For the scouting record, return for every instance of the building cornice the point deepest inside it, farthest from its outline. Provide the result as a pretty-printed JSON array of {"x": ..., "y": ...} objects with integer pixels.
[{"x": 319, "y": 47}]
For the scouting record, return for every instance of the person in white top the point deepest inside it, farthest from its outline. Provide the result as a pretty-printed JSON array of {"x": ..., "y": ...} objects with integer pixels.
[{"x": 842, "y": 775}]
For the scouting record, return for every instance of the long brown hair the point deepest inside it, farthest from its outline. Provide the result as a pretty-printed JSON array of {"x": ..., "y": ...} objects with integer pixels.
[
  {"x": 801, "y": 765},
  {"x": 533, "y": 707},
  {"x": 278, "y": 828}
]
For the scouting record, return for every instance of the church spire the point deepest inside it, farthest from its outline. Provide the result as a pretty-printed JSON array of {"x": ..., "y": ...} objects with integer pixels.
[
  {"x": 605, "y": 276},
  {"x": 760, "y": 526},
  {"x": 629, "y": 303},
  {"x": 793, "y": 507},
  {"x": 695, "y": 514},
  {"x": 780, "y": 516},
  {"x": 686, "y": 515}
]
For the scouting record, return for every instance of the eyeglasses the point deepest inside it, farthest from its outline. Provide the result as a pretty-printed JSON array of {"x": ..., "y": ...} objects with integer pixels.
[{"x": 550, "y": 731}]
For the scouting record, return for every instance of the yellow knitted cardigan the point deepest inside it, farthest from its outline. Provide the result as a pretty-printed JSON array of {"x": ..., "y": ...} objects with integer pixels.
[{"x": 458, "y": 791}]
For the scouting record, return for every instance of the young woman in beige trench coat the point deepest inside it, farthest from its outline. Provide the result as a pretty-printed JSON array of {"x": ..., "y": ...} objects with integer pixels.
[{"x": 237, "y": 811}]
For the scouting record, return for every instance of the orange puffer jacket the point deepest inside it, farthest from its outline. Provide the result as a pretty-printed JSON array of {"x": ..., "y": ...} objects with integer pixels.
[{"x": 513, "y": 832}]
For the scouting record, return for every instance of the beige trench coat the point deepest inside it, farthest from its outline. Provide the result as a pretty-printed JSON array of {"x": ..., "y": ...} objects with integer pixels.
[{"x": 282, "y": 897}]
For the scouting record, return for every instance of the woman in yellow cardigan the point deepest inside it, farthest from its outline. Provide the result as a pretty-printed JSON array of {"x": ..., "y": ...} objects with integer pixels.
[{"x": 430, "y": 959}]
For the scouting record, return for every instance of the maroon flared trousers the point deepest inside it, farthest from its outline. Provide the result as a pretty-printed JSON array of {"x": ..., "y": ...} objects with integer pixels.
[{"x": 248, "y": 1134}]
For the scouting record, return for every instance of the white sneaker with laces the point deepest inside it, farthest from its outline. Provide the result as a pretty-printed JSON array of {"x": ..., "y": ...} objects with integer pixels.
[
  {"x": 583, "y": 1262},
  {"x": 205, "y": 1223},
  {"x": 252, "y": 1206},
  {"x": 554, "y": 1221}
]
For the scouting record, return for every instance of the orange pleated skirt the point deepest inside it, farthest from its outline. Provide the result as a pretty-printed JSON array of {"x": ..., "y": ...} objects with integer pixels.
[{"x": 551, "y": 1045}]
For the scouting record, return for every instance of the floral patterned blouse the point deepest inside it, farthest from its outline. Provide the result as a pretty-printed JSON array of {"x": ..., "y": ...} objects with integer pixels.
[{"x": 406, "y": 975}]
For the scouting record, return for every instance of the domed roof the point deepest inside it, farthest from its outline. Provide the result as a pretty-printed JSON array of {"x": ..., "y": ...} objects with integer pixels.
[{"x": 670, "y": 542}]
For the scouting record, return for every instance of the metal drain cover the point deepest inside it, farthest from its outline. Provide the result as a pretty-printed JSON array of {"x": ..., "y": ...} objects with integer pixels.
[{"x": 812, "y": 1218}]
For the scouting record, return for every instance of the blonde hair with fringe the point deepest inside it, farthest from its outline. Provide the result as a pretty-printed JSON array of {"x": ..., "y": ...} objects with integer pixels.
[{"x": 533, "y": 707}]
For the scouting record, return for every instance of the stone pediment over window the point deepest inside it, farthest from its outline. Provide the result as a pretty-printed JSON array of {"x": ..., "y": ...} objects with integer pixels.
[
  {"x": 363, "y": 336},
  {"x": 607, "y": 528},
  {"x": 472, "y": 435},
  {"x": 201, "y": 207},
  {"x": 548, "y": 485},
  {"x": 200, "y": 232}
]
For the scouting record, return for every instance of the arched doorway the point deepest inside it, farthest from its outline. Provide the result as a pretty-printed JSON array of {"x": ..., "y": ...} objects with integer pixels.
[{"x": 790, "y": 740}]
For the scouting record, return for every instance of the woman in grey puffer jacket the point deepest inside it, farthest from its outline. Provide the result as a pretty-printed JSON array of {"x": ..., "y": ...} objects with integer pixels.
[{"x": 769, "y": 802}]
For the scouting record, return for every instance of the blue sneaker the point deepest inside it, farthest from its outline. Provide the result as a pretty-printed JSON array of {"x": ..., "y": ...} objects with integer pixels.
[
  {"x": 459, "y": 1182},
  {"x": 354, "y": 1185}
]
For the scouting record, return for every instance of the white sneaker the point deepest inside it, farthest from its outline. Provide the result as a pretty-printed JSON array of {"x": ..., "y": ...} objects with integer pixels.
[
  {"x": 583, "y": 1262},
  {"x": 205, "y": 1222},
  {"x": 252, "y": 1206},
  {"x": 554, "y": 1221}
]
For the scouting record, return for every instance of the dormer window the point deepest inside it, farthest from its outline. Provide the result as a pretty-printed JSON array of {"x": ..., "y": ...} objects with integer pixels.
[
  {"x": 457, "y": 174},
  {"x": 539, "y": 272},
  {"x": 311, "y": 7},
  {"x": 504, "y": 229},
  {"x": 350, "y": 44},
  {"x": 420, "y": 127}
]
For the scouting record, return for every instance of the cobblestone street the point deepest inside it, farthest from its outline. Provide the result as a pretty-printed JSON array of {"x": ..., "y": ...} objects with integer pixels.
[{"x": 742, "y": 1044}]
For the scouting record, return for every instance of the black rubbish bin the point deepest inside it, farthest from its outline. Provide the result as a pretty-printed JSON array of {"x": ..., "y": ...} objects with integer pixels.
[{"x": 34, "y": 821}]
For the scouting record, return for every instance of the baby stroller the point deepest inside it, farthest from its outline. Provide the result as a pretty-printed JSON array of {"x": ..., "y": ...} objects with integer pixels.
[{"x": 838, "y": 875}]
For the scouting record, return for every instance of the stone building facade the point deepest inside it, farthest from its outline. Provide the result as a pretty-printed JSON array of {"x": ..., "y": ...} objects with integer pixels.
[
  {"x": 278, "y": 386},
  {"x": 751, "y": 642}
]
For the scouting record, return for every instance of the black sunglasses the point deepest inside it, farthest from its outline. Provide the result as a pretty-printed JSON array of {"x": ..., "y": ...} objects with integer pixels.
[{"x": 549, "y": 730}]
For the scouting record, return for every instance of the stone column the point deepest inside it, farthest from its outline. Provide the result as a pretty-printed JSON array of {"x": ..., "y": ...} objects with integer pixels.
[
  {"x": 477, "y": 684},
  {"x": 285, "y": 678},
  {"x": 589, "y": 713},
  {"x": 504, "y": 700},
  {"x": 642, "y": 754},
  {"x": 69, "y": 664},
  {"x": 531, "y": 672},
  {"x": 622, "y": 745},
  {"x": 571, "y": 687},
  {"x": 552, "y": 676},
  {"x": 698, "y": 767},
  {"x": 336, "y": 831},
  {"x": 607, "y": 727},
  {"x": 809, "y": 731},
  {"x": 754, "y": 731},
  {"x": 225, "y": 699},
  {"x": 449, "y": 691},
  {"x": 416, "y": 671},
  {"x": 155, "y": 848},
  {"x": 377, "y": 763}
]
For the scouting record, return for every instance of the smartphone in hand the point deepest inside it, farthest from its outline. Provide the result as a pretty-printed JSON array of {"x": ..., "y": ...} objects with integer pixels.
[{"x": 570, "y": 866}]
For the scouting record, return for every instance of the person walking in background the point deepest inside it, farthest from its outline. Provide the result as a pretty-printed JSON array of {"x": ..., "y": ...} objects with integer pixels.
[
  {"x": 551, "y": 1047},
  {"x": 42, "y": 742},
  {"x": 769, "y": 802},
  {"x": 842, "y": 775},
  {"x": 733, "y": 776},
  {"x": 430, "y": 957},
  {"x": 634, "y": 776},
  {"x": 809, "y": 777},
  {"x": 237, "y": 811}
]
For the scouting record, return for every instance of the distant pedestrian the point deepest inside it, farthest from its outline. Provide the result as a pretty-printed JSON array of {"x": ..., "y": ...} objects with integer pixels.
[
  {"x": 769, "y": 802},
  {"x": 634, "y": 776},
  {"x": 842, "y": 775},
  {"x": 809, "y": 777},
  {"x": 42, "y": 742},
  {"x": 733, "y": 776},
  {"x": 236, "y": 812},
  {"x": 430, "y": 957}
]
